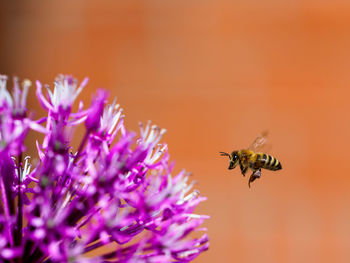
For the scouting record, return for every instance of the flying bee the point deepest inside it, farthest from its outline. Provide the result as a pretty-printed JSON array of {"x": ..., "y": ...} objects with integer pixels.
[{"x": 249, "y": 158}]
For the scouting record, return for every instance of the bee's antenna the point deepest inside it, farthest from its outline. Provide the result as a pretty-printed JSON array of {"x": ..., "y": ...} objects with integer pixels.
[{"x": 224, "y": 154}]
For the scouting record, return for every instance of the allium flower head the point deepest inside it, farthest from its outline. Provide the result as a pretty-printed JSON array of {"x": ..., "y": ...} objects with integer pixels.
[{"x": 115, "y": 191}]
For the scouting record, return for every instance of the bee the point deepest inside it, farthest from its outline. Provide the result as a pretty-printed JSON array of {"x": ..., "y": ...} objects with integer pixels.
[{"x": 249, "y": 158}]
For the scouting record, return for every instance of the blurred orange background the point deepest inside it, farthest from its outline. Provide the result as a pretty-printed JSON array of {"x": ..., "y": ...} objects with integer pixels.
[{"x": 215, "y": 74}]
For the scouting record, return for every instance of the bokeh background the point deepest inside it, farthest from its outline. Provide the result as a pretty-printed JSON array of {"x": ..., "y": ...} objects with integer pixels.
[{"x": 215, "y": 74}]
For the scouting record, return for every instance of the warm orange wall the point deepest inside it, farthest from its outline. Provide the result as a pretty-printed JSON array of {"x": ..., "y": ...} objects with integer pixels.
[{"x": 215, "y": 74}]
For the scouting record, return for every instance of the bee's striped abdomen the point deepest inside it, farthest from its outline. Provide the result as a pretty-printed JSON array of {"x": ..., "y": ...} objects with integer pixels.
[{"x": 269, "y": 162}]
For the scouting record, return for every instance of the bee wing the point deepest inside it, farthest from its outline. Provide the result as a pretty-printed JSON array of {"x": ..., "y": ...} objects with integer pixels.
[{"x": 259, "y": 142}]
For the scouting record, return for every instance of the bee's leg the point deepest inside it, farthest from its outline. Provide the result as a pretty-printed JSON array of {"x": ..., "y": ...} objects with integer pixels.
[
  {"x": 243, "y": 169},
  {"x": 255, "y": 175}
]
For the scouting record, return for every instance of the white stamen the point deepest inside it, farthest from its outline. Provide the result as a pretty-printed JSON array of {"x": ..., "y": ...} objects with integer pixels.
[{"x": 187, "y": 253}]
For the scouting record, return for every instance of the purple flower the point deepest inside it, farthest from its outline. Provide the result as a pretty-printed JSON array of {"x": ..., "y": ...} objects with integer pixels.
[{"x": 116, "y": 191}]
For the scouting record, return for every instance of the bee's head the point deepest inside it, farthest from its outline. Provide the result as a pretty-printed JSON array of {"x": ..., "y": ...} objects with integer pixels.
[{"x": 233, "y": 159}]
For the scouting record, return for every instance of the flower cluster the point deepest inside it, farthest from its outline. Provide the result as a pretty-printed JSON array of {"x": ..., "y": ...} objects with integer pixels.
[{"x": 112, "y": 199}]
